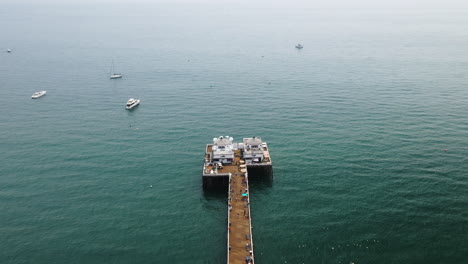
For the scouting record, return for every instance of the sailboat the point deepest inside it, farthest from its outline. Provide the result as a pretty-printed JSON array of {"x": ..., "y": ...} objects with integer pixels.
[
  {"x": 113, "y": 74},
  {"x": 38, "y": 94}
]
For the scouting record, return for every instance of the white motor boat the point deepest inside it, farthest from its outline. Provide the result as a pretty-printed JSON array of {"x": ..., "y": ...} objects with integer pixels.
[
  {"x": 132, "y": 103},
  {"x": 299, "y": 46},
  {"x": 38, "y": 94},
  {"x": 8, "y": 50}
]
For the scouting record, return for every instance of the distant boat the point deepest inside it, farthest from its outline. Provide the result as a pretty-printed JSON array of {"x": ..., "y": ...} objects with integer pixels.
[
  {"x": 8, "y": 50},
  {"x": 299, "y": 46},
  {"x": 132, "y": 103},
  {"x": 38, "y": 94},
  {"x": 115, "y": 75}
]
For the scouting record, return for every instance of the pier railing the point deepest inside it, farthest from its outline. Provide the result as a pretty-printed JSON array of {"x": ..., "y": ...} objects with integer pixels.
[
  {"x": 250, "y": 216},
  {"x": 229, "y": 220}
]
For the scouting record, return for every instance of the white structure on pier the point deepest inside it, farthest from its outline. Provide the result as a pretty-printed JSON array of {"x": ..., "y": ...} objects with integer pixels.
[
  {"x": 223, "y": 150},
  {"x": 255, "y": 151}
]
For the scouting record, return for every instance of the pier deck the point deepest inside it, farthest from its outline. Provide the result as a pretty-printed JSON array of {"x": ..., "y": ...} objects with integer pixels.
[{"x": 240, "y": 244}]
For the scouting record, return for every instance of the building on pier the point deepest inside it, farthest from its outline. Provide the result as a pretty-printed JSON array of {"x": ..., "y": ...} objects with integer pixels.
[
  {"x": 222, "y": 150},
  {"x": 255, "y": 151}
]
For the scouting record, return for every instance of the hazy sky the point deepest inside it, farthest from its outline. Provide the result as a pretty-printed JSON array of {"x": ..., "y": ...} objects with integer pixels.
[{"x": 284, "y": 3}]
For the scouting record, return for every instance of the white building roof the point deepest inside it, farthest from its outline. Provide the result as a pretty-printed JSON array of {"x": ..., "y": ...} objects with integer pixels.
[{"x": 253, "y": 141}]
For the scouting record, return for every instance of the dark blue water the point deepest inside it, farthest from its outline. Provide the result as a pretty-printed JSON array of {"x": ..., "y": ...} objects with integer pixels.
[{"x": 367, "y": 128}]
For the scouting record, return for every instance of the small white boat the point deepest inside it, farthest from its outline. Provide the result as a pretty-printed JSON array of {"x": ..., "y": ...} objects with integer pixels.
[
  {"x": 132, "y": 103},
  {"x": 8, "y": 50},
  {"x": 299, "y": 46},
  {"x": 116, "y": 76},
  {"x": 38, "y": 94},
  {"x": 113, "y": 74}
]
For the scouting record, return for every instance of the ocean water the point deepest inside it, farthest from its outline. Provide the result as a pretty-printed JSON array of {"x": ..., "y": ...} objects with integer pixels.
[{"x": 367, "y": 128}]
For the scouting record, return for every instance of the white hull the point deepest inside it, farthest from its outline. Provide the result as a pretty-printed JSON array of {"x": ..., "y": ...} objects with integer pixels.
[
  {"x": 116, "y": 76},
  {"x": 38, "y": 94},
  {"x": 128, "y": 107}
]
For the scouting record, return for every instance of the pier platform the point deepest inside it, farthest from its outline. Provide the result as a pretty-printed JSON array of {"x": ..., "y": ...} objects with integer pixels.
[{"x": 227, "y": 164}]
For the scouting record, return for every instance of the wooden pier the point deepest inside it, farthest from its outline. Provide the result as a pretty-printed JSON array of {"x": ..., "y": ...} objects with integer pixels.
[
  {"x": 240, "y": 241},
  {"x": 234, "y": 173}
]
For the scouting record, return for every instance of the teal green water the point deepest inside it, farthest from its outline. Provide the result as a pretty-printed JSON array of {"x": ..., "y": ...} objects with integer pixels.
[{"x": 357, "y": 123}]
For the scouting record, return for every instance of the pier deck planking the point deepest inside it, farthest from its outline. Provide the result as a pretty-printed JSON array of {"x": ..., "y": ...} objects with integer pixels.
[{"x": 239, "y": 224}]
